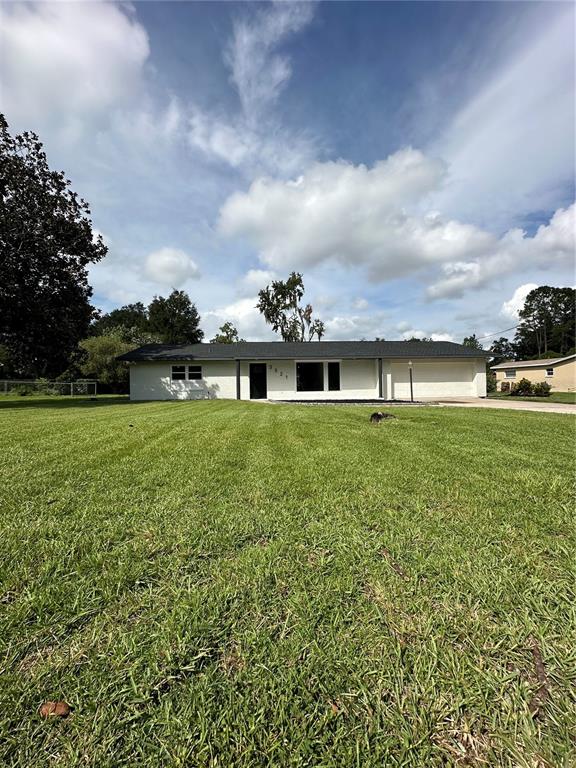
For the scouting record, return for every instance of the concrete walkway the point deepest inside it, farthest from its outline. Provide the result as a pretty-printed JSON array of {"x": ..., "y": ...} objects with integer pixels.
[{"x": 514, "y": 405}]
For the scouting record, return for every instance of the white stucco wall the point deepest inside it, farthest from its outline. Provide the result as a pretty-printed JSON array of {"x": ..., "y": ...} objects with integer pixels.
[
  {"x": 152, "y": 381},
  {"x": 358, "y": 380},
  {"x": 480, "y": 378},
  {"x": 437, "y": 378}
]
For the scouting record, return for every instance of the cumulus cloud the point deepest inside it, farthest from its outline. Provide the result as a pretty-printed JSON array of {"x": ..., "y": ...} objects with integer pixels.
[
  {"x": 412, "y": 333},
  {"x": 512, "y": 307},
  {"x": 67, "y": 61},
  {"x": 256, "y": 279},
  {"x": 552, "y": 245},
  {"x": 377, "y": 218},
  {"x": 241, "y": 313},
  {"x": 252, "y": 138},
  {"x": 351, "y": 214},
  {"x": 170, "y": 266}
]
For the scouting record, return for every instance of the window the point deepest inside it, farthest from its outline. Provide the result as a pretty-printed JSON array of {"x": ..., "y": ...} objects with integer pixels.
[
  {"x": 549, "y": 371},
  {"x": 178, "y": 372},
  {"x": 510, "y": 373},
  {"x": 309, "y": 377},
  {"x": 195, "y": 372},
  {"x": 333, "y": 376}
]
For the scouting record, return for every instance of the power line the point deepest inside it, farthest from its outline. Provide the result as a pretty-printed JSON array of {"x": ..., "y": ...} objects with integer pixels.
[{"x": 497, "y": 332}]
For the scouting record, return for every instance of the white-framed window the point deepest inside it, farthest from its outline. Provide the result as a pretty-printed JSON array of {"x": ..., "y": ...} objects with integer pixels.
[
  {"x": 549, "y": 371},
  {"x": 510, "y": 373},
  {"x": 183, "y": 372}
]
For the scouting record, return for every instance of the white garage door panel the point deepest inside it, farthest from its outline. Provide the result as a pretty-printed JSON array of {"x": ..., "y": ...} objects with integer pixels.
[{"x": 434, "y": 379}]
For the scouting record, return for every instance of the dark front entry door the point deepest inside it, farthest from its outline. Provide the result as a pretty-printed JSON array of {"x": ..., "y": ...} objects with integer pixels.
[{"x": 258, "y": 388}]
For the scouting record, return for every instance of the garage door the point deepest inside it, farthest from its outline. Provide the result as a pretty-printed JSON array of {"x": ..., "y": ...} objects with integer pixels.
[{"x": 433, "y": 379}]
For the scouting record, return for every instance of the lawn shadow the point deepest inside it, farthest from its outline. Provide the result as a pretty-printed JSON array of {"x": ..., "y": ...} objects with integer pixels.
[{"x": 62, "y": 402}]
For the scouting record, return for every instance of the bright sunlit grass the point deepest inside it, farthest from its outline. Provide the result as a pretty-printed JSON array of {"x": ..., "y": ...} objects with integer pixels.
[{"x": 237, "y": 584}]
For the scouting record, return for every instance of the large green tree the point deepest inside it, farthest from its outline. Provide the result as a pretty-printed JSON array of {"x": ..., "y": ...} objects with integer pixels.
[
  {"x": 134, "y": 316},
  {"x": 175, "y": 319},
  {"x": 46, "y": 245},
  {"x": 99, "y": 360},
  {"x": 547, "y": 323},
  {"x": 280, "y": 304}
]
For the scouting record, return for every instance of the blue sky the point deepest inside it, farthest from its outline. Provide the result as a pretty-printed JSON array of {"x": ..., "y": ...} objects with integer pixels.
[{"x": 414, "y": 160}]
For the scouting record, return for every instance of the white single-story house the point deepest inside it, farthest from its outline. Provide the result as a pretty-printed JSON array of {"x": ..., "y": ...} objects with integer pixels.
[
  {"x": 559, "y": 372},
  {"x": 316, "y": 370}
]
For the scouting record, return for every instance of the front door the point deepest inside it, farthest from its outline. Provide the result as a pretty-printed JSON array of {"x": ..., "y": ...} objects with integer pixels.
[{"x": 258, "y": 388}]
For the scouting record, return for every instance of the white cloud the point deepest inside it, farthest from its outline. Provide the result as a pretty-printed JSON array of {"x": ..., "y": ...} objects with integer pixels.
[
  {"x": 344, "y": 327},
  {"x": 360, "y": 303},
  {"x": 244, "y": 315},
  {"x": 511, "y": 147},
  {"x": 413, "y": 333},
  {"x": 258, "y": 71},
  {"x": 511, "y": 307},
  {"x": 552, "y": 245},
  {"x": 354, "y": 215},
  {"x": 170, "y": 266},
  {"x": 373, "y": 217},
  {"x": 255, "y": 279},
  {"x": 252, "y": 139},
  {"x": 63, "y": 62}
]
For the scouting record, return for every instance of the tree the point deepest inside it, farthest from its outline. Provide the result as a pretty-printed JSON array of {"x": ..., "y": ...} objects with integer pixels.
[
  {"x": 501, "y": 350},
  {"x": 547, "y": 322},
  {"x": 46, "y": 244},
  {"x": 100, "y": 362},
  {"x": 133, "y": 335},
  {"x": 417, "y": 338},
  {"x": 175, "y": 319},
  {"x": 279, "y": 303},
  {"x": 133, "y": 316},
  {"x": 227, "y": 334},
  {"x": 472, "y": 342}
]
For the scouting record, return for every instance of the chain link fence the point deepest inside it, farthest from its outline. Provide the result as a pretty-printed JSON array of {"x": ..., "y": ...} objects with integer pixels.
[{"x": 83, "y": 387}]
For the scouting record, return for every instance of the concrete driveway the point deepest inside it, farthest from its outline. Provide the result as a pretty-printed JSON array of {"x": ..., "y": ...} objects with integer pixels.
[{"x": 514, "y": 405}]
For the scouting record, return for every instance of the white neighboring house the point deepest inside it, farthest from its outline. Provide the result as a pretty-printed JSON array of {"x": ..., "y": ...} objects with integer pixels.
[{"x": 316, "y": 370}]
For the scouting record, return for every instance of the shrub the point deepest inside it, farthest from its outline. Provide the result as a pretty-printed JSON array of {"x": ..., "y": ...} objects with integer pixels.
[
  {"x": 45, "y": 387},
  {"x": 505, "y": 386},
  {"x": 541, "y": 389},
  {"x": 22, "y": 390},
  {"x": 490, "y": 382},
  {"x": 522, "y": 387}
]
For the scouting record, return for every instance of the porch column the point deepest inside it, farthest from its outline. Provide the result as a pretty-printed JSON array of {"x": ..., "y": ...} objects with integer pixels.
[
  {"x": 237, "y": 379},
  {"x": 380, "y": 395}
]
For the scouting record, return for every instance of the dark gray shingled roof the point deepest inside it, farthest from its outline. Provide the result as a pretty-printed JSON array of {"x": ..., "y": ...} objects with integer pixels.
[{"x": 281, "y": 350}]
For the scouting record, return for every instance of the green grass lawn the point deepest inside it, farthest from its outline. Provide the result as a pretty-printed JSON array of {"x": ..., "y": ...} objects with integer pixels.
[
  {"x": 554, "y": 397},
  {"x": 229, "y": 584}
]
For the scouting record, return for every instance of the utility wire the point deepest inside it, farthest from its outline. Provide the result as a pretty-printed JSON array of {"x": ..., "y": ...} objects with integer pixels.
[{"x": 497, "y": 332}]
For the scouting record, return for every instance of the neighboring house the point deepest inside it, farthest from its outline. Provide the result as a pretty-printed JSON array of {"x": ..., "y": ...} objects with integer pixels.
[
  {"x": 316, "y": 370},
  {"x": 560, "y": 372}
]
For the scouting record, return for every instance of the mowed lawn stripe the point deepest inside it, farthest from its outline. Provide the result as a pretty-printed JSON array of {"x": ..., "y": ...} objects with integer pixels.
[{"x": 241, "y": 584}]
